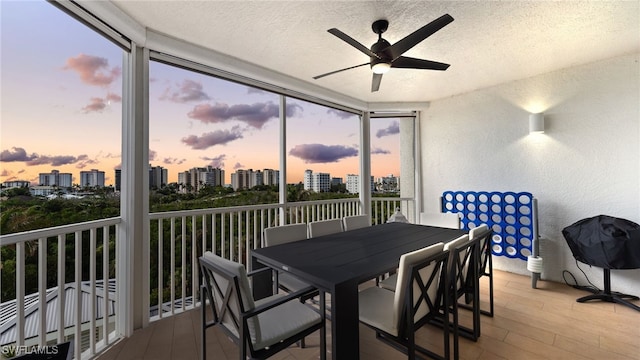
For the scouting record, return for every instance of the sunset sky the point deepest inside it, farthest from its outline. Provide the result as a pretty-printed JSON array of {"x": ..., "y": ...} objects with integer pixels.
[{"x": 61, "y": 88}]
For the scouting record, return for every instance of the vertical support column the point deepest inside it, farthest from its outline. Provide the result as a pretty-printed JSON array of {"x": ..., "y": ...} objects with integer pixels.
[
  {"x": 408, "y": 164},
  {"x": 418, "y": 168},
  {"x": 283, "y": 158},
  {"x": 365, "y": 163},
  {"x": 132, "y": 253}
]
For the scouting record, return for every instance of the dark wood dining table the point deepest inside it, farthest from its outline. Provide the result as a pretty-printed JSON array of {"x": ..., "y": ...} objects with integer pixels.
[{"x": 339, "y": 262}]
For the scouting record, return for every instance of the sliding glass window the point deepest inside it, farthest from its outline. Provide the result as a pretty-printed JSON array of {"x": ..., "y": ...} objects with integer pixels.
[{"x": 61, "y": 119}]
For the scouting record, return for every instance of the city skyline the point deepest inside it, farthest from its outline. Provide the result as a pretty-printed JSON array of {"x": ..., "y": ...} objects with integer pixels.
[{"x": 63, "y": 112}]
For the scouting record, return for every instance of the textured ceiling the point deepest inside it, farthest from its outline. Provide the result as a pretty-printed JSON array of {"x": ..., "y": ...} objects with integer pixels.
[{"x": 488, "y": 43}]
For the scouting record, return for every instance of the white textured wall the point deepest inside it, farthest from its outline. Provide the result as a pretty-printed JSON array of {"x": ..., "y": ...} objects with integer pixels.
[{"x": 586, "y": 164}]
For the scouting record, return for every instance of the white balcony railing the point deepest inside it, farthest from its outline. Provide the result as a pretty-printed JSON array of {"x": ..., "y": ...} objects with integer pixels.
[
  {"x": 74, "y": 302},
  {"x": 177, "y": 238}
]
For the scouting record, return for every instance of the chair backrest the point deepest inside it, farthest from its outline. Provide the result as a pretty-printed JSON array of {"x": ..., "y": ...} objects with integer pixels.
[
  {"x": 484, "y": 246},
  {"x": 325, "y": 227},
  {"x": 283, "y": 234},
  {"x": 458, "y": 260},
  {"x": 355, "y": 222},
  {"x": 446, "y": 220},
  {"x": 226, "y": 282},
  {"x": 427, "y": 276}
]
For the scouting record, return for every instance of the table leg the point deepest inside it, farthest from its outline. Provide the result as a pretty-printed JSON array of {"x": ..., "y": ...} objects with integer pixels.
[
  {"x": 345, "y": 322},
  {"x": 262, "y": 283}
]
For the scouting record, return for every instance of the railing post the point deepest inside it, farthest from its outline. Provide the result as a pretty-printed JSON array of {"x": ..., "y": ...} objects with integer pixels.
[{"x": 365, "y": 163}]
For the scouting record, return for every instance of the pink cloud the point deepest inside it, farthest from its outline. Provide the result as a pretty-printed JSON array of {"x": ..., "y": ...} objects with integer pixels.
[
  {"x": 96, "y": 105},
  {"x": 93, "y": 70}
]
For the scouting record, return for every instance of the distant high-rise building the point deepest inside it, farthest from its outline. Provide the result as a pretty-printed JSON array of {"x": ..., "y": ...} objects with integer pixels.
[
  {"x": 336, "y": 181},
  {"x": 194, "y": 179},
  {"x": 118, "y": 176},
  {"x": 321, "y": 182},
  {"x": 56, "y": 178},
  {"x": 308, "y": 179},
  {"x": 158, "y": 177},
  {"x": 92, "y": 178},
  {"x": 353, "y": 183},
  {"x": 318, "y": 182},
  {"x": 388, "y": 183},
  {"x": 271, "y": 177},
  {"x": 240, "y": 179}
]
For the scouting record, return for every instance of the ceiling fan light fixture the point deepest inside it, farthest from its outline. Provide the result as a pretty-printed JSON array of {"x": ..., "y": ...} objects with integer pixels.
[{"x": 381, "y": 68}]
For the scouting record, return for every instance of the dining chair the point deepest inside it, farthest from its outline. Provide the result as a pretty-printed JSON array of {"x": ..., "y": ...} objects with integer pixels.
[
  {"x": 325, "y": 227},
  {"x": 263, "y": 327},
  {"x": 355, "y": 222},
  {"x": 390, "y": 282},
  {"x": 485, "y": 264},
  {"x": 446, "y": 220},
  {"x": 420, "y": 295},
  {"x": 463, "y": 269},
  {"x": 277, "y": 235}
]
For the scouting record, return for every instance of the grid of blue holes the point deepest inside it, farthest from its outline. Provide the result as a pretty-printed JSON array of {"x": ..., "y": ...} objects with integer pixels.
[{"x": 508, "y": 214}]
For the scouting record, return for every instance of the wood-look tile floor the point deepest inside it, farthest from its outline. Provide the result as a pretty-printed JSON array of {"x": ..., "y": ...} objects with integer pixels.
[{"x": 542, "y": 323}]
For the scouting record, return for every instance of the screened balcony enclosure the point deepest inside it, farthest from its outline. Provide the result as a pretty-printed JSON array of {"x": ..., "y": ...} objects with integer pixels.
[
  {"x": 92, "y": 88},
  {"x": 122, "y": 273}
]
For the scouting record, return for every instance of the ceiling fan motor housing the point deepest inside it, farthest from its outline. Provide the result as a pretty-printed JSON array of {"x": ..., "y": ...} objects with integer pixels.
[{"x": 381, "y": 48}]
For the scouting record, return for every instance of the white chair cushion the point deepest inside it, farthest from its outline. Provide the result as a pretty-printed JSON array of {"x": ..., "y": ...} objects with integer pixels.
[
  {"x": 376, "y": 306},
  {"x": 355, "y": 222},
  {"x": 283, "y": 321},
  {"x": 245, "y": 293},
  {"x": 407, "y": 260},
  {"x": 283, "y": 234},
  {"x": 389, "y": 283},
  {"x": 477, "y": 230},
  {"x": 325, "y": 227}
]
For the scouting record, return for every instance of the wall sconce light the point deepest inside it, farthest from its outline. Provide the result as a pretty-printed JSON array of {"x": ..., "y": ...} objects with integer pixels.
[{"x": 536, "y": 123}]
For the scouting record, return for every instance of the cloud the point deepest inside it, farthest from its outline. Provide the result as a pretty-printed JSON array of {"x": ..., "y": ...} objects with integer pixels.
[
  {"x": 340, "y": 114},
  {"x": 152, "y": 154},
  {"x": 170, "y": 161},
  {"x": 318, "y": 153},
  {"x": 238, "y": 166},
  {"x": 392, "y": 129},
  {"x": 255, "y": 115},
  {"x": 188, "y": 91},
  {"x": 218, "y": 137},
  {"x": 113, "y": 97},
  {"x": 96, "y": 105},
  {"x": 83, "y": 161},
  {"x": 57, "y": 160},
  {"x": 5, "y": 172},
  {"x": 216, "y": 162},
  {"x": 375, "y": 151},
  {"x": 18, "y": 154},
  {"x": 93, "y": 70}
]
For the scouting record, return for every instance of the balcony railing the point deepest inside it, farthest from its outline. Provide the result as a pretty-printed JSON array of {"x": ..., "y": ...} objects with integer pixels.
[
  {"x": 176, "y": 240},
  {"x": 70, "y": 304}
]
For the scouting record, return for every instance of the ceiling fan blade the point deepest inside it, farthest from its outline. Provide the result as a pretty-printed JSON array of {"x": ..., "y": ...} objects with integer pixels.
[
  {"x": 417, "y": 36},
  {"x": 375, "y": 82},
  {"x": 413, "y": 63},
  {"x": 337, "y": 71},
  {"x": 351, "y": 41}
]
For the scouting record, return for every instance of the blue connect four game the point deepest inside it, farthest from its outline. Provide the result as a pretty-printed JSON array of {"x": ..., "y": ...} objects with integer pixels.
[{"x": 509, "y": 214}]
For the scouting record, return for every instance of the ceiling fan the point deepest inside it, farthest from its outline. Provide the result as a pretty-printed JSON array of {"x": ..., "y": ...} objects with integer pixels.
[{"x": 385, "y": 56}]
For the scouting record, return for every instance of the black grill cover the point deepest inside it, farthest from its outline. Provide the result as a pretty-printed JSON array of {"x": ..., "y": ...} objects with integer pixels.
[{"x": 605, "y": 241}]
